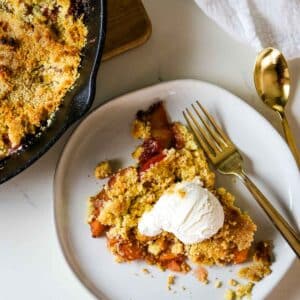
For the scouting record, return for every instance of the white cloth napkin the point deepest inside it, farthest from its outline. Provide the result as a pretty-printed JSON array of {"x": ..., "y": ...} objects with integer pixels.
[{"x": 259, "y": 23}]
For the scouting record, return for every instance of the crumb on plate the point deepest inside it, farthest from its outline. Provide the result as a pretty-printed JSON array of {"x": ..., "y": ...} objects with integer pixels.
[
  {"x": 103, "y": 170},
  {"x": 141, "y": 130},
  {"x": 229, "y": 295},
  {"x": 255, "y": 272},
  {"x": 244, "y": 290},
  {"x": 218, "y": 283},
  {"x": 232, "y": 282},
  {"x": 202, "y": 274},
  {"x": 262, "y": 260},
  {"x": 170, "y": 281},
  {"x": 146, "y": 271}
]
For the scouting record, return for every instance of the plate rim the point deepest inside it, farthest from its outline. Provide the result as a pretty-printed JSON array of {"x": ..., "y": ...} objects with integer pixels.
[{"x": 80, "y": 277}]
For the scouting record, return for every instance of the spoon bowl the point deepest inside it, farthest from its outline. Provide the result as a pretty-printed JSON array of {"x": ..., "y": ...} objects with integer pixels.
[{"x": 272, "y": 78}]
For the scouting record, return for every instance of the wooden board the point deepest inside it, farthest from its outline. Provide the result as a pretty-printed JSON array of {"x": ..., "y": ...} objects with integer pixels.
[{"x": 128, "y": 26}]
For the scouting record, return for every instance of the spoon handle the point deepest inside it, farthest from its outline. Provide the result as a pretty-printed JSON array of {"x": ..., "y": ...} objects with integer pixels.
[{"x": 290, "y": 138}]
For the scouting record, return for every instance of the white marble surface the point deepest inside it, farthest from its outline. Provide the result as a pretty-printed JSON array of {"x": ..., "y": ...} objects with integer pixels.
[{"x": 184, "y": 44}]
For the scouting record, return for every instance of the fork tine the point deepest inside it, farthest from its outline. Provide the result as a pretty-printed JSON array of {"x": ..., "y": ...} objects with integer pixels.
[
  {"x": 206, "y": 136},
  {"x": 218, "y": 139},
  {"x": 215, "y": 125},
  {"x": 199, "y": 137}
]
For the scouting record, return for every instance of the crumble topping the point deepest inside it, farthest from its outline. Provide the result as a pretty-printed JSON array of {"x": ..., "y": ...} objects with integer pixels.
[
  {"x": 218, "y": 283},
  {"x": 170, "y": 281},
  {"x": 146, "y": 271},
  {"x": 141, "y": 130},
  {"x": 103, "y": 170},
  {"x": 262, "y": 260},
  {"x": 229, "y": 295},
  {"x": 244, "y": 290},
  {"x": 232, "y": 282},
  {"x": 40, "y": 45}
]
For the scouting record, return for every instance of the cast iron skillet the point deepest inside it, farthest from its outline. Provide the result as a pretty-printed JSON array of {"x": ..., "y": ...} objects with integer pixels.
[{"x": 76, "y": 102}]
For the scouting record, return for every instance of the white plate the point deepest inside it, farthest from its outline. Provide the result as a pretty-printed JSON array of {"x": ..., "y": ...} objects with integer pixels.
[{"x": 105, "y": 134}]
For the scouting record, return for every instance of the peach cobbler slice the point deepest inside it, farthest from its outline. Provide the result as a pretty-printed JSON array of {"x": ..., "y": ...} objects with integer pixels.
[{"x": 167, "y": 156}]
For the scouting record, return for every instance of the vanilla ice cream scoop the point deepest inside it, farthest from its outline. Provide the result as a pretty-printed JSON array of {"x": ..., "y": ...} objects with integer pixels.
[{"x": 189, "y": 211}]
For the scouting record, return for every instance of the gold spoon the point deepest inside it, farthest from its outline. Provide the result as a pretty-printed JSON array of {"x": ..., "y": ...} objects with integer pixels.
[{"x": 272, "y": 82}]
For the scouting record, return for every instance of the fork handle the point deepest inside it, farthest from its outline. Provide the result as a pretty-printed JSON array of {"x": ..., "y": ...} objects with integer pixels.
[{"x": 280, "y": 223}]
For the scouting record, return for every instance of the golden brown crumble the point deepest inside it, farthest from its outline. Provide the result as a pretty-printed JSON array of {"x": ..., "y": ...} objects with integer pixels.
[
  {"x": 146, "y": 271},
  {"x": 232, "y": 282},
  {"x": 170, "y": 281},
  {"x": 168, "y": 155},
  {"x": 262, "y": 260},
  {"x": 40, "y": 45},
  {"x": 255, "y": 272},
  {"x": 244, "y": 290},
  {"x": 103, "y": 170},
  {"x": 229, "y": 295},
  {"x": 141, "y": 130},
  {"x": 218, "y": 283}
]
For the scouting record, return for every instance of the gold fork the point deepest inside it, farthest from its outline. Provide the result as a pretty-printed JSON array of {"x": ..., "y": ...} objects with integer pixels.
[{"x": 227, "y": 160}]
